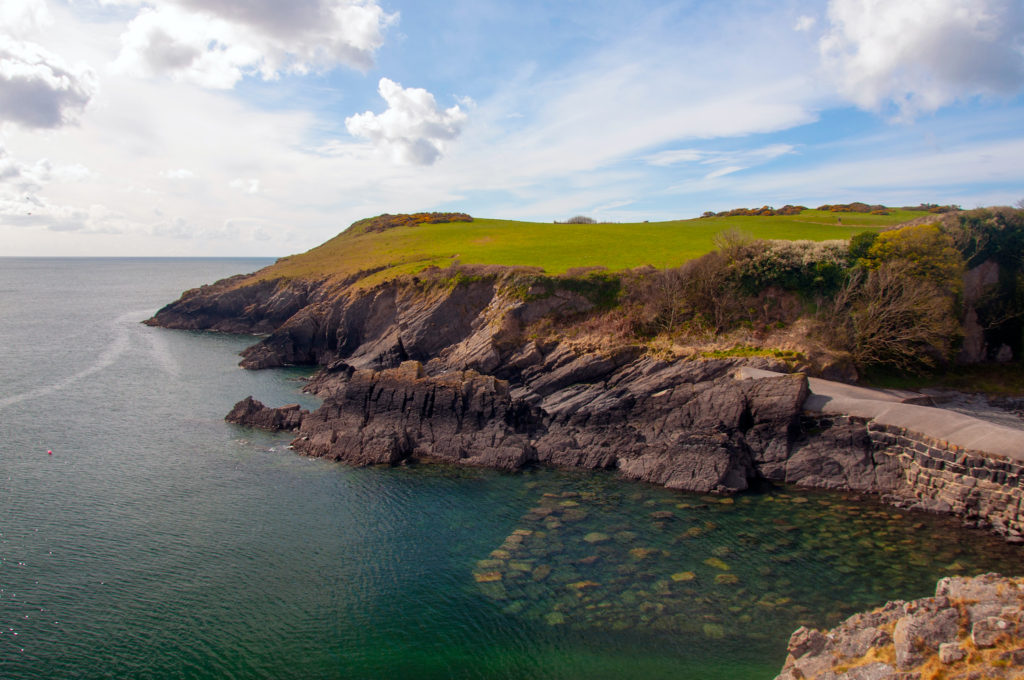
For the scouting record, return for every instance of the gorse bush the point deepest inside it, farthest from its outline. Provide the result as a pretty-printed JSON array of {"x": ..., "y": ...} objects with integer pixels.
[
  {"x": 926, "y": 251},
  {"x": 386, "y": 221},
  {"x": 806, "y": 267}
]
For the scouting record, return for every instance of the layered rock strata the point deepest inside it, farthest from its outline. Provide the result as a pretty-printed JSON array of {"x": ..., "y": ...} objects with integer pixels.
[
  {"x": 435, "y": 368},
  {"x": 972, "y": 629},
  {"x": 688, "y": 425}
]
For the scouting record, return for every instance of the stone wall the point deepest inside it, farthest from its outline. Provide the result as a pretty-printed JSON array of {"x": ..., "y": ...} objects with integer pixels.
[
  {"x": 976, "y": 485},
  {"x": 985, "y": 489}
]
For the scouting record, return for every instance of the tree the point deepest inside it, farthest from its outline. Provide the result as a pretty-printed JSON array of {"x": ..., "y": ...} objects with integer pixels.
[
  {"x": 927, "y": 252},
  {"x": 887, "y": 316}
]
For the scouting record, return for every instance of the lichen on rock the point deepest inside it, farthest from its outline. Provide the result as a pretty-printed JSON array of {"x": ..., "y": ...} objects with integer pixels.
[{"x": 951, "y": 635}]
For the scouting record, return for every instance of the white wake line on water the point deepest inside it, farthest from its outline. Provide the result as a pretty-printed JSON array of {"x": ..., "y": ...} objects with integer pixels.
[
  {"x": 161, "y": 352},
  {"x": 116, "y": 348}
]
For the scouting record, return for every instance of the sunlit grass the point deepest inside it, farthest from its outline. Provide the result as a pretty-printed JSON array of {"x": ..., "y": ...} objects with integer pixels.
[{"x": 558, "y": 247}]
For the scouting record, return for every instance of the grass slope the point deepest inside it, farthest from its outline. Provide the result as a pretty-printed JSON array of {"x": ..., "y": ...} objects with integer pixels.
[{"x": 558, "y": 247}]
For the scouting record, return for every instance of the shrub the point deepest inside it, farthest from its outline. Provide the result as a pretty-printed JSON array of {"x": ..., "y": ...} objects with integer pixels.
[
  {"x": 859, "y": 246},
  {"x": 701, "y": 294},
  {"x": 764, "y": 211},
  {"x": 927, "y": 251},
  {"x": 804, "y": 266},
  {"x": 889, "y": 317},
  {"x": 581, "y": 219},
  {"x": 386, "y": 221}
]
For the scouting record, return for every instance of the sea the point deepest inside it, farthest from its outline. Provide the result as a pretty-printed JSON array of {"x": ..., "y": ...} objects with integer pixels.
[{"x": 141, "y": 536}]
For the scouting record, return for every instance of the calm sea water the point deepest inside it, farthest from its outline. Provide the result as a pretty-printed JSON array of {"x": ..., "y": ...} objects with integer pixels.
[{"x": 158, "y": 541}]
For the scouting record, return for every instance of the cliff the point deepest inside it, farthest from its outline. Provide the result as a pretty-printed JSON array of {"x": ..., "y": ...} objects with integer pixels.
[{"x": 451, "y": 366}]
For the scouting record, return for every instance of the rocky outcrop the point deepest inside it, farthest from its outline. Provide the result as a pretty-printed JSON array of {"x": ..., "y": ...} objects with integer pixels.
[
  {"x": 972, "y": 629},
  {"x": 688, "y": 425},
  {"x": 253, "y": 413},
  {"x": 386, "y": 417},
  {"x": 443, "y": 366},
  {"x": 236, "y": 306}
]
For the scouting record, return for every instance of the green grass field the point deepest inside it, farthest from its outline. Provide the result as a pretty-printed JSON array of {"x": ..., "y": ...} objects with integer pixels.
[{"x": 558, "y": 247}]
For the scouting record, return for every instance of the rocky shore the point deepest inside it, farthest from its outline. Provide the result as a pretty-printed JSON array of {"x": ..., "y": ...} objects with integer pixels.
[
  {"x": 973, "y": 629},
  {"x": 450, "y": 369},
  {"x": 412, "y": 370}
]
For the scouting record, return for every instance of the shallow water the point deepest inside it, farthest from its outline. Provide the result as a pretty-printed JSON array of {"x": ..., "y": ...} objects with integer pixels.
[{"x": 160, "y": 542}]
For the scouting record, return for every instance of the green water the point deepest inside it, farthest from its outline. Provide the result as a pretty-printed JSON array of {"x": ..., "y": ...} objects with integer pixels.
[{"x": 160, "y": 542}]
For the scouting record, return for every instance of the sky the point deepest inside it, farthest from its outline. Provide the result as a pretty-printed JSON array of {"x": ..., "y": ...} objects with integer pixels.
[{"x": 265, "y": 127}]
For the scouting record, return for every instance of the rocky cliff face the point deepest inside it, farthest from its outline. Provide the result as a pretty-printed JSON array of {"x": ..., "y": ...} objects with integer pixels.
[
  {"x": 972, "y": 629},
  {"x": 420, "y": 370},
  {"x": 686, "y": 425}
]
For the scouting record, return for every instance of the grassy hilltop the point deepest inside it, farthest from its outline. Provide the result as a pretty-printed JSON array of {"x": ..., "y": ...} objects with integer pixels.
[
  {"x": 559, "y": 247},
  {"x": 848, "y": 288}
]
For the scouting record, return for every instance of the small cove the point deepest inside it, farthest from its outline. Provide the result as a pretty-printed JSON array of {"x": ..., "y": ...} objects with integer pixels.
[{"x": 159, "y": 541}]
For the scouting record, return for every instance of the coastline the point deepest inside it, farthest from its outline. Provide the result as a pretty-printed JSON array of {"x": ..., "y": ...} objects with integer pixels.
[{"x": 414, "y": 370}]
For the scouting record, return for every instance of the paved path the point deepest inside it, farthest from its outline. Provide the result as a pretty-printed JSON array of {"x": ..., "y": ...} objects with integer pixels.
[{"x": 894, "y": 407}]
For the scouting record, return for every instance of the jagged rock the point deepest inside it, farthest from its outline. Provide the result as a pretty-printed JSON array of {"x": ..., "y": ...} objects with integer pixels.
[
  {"x": 932, "y": 622},
  {"x": 387, "y": 416},
  {"x": 686, "y": 425},
  {"x": 231, "y": 307},
  {"x": 253, "y": 413},
  {"x": 987, "y": 631},
  {"x": 923, "y": 632},
  {"x": 951, "y": 652}
]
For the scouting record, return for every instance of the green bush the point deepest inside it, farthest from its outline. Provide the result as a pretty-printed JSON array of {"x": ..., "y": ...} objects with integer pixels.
[{"x": 806, "y": 267}]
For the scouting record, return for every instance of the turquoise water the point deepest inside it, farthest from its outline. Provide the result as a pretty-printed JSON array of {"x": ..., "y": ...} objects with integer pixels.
[{"x": 158, "y": 541}]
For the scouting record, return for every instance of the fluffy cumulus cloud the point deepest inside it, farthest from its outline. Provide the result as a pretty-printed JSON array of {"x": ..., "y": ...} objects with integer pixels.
[
  {"x": 918, "y": 56},
  {"x": 214, "y": 43},
  {"x": 413, "y": 128},
  {"x": 21, "y": 199},
  {"x": 21, "y": 17},
  {"x": 39, "y": 90},
  {"x": 20, "y": 179}
]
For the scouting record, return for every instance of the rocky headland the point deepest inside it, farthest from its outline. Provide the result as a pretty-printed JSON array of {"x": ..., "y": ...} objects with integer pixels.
[{"x": 451, "y": 369}]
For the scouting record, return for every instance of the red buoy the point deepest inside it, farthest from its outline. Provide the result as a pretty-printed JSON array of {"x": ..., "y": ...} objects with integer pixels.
[{"x": 49, "y": 452}]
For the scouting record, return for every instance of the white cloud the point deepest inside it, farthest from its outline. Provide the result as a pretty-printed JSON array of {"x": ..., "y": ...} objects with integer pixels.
[
  {"x": 804, "y": 23},
  {"x": 37, "y": 89},
  {"x": 916, "y": 174},
  {"x": 413, "y": 129},
  {"x": 178, "y": 174},
  {"x": 246, "y": 186},
  {"x": 22, "y": 17},
  {"x": 18, "y": 178},
  {"x": 674, "y": 156},
  {"x": 21, "y": 202},
  {"x": 921, "y": 55},
  {"x": 730, "y": 161},
  {"x": 725, "y": 170},
  {"x": 214, "y": 43}
]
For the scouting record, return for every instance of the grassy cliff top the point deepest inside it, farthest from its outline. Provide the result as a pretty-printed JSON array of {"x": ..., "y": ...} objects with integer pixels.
[{"x": 556, "y": 247}]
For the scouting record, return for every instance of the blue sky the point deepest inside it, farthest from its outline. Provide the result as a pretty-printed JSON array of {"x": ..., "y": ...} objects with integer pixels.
[{"x": 260, "y": 127}]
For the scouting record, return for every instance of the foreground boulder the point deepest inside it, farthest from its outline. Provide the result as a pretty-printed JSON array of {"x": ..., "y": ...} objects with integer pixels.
[{"x": 973, "y": 629}]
